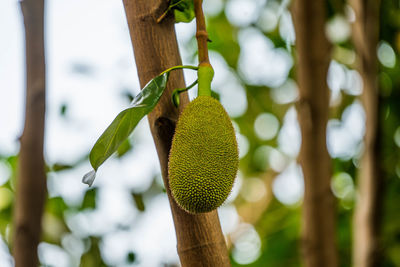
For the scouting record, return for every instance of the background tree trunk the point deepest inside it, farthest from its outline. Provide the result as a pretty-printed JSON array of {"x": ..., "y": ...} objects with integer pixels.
[
  {"x": 31, "y": 179},
  {"x": 200, "y": 239},
  {"x": 313, "y": 54},
  {"x": 368, "y": 208}
]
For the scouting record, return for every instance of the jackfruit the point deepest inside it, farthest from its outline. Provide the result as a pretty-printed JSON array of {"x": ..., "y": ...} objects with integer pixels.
[{"x": 204, "y": 157}]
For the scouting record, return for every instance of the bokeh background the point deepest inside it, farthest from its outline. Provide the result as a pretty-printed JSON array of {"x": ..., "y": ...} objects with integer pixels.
[{"x": 124, "y": 219}]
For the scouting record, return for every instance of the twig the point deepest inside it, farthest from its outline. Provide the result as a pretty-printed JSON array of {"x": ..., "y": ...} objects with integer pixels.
[{"x": 201, "y": 33}]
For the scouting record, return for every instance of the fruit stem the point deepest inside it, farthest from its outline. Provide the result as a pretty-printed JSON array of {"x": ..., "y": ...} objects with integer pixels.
[
  {"x": 205, "y": 72},
  {"x": 178, "y": 68},
  {"x": 205, "y": 75},
  {"x": 176, "y": 92}
]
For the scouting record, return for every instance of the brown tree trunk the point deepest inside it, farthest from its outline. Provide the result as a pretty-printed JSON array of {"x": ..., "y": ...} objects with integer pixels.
[
  {"x": 368, "y": 208},
  {"x": 31, "y": 179},
  {"x": 313, "y": 55},
  {"x": 200, "y": 239}
]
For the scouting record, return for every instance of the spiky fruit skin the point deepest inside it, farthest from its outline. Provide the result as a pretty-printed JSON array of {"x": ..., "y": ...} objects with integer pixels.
[{"x": 204, "y": 156}]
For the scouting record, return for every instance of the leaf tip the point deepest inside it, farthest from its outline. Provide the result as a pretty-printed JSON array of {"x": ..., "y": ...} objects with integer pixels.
[{"x": 89, "y": 177}]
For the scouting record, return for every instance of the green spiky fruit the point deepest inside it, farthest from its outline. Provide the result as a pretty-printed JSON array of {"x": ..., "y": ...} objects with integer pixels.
[{"x": 204, "y": 156}]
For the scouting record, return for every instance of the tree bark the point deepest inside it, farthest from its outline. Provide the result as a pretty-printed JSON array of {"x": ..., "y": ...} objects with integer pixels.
[
  {"x": 313, "y": 55},
  {"x": 199, "y": 237},
  {"x": 31, "y": 181},
  {"x": 366, "y": 244}
]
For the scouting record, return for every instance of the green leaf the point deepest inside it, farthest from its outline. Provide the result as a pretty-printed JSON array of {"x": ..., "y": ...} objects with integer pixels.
[
  {"x": 63, "y": 109},
  {"x": 89, "y": 201},
  {"x": 138, "y": 198},
  {"x": 61, "y": 167},
  {"x": 131, "y": 257},
  {"x": 183, "y": 10},
  {"x": 124, "y": 148},
  {"x": 126, "y": 121}
]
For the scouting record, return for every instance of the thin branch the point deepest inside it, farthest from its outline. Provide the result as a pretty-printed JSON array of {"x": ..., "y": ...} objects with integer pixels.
[
  {"x": 31, "y": 179},
  {"x": 201, "y": 32},
  {"x": 313, "y": 57},
  {"x": 368, "y": 211}
]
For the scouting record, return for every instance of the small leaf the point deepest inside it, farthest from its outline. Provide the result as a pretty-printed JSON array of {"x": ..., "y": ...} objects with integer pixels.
[
  {"x": 125, "y": 122},
  {"x": 138, "y": 198},
  {"x": 63, "y": 109},
  {"x": 183, "y": 10},
  {"x": 61, "y": 167},
  {"x": 89, "y": 200},
  {"x": 131, "y": 257}
]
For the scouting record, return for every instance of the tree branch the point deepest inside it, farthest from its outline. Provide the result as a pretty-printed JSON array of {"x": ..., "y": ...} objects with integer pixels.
[
  {"x": 313, "y": 54},
  {"x": 31, "y": 179},
  {"x": 201, "y": 32},
  {"x": 366, "y": 245}
]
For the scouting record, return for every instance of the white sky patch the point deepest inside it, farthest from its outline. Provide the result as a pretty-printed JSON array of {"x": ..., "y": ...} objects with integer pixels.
[
  {"x": 386, "y": 55},
  {"x": 134, "y": 170},
  {"x": 277, "y": 160},
  {"x": 116, "y": 206},
  {"x": 52, "y": 255},
  {"x": 336, "y": 76},
  {"x": 243, "y": 145},
  {"x": 286, "y": 27},
  {"x": 229, "y": 218},
  {"x": 68, "y": 184},
  {"x": 340, "y": 78},
  {"x": 289, "y": 137},
  {"x": 221, "y": 69},
  {"x": 338, "y": 29},
  {"x": 233, "y": 97},
  {"x": 12, "y": 76},
  {"x": 353, "y": 118},
  {"x": 266, "y": 157},
  {"x": 354, "y": 83},
  {"x": 243, "y": 12},
  {"x": 269, "y": 16},
  {"x": 246, "y": 244},
  {"x": 213, "y": 7},
  {"x": 5, "y": 172},
  {"x": 6, "y": 260},
  {"x": 115, "y": 247},
  {"x": 185, "y": 31},
  {"x": 288, "y": 187},
  {"x": 155, "y": 227},
  {"x": 237, "y": 185},
  {"x": 259, "y": 62},
  {"x": 266, "y": 126},
  {"x": 286, "y": 93},
  {"x": 74, "y": 246},
  {"x": 92, "y": 97},
  {"x": 344, "y": 137}
]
